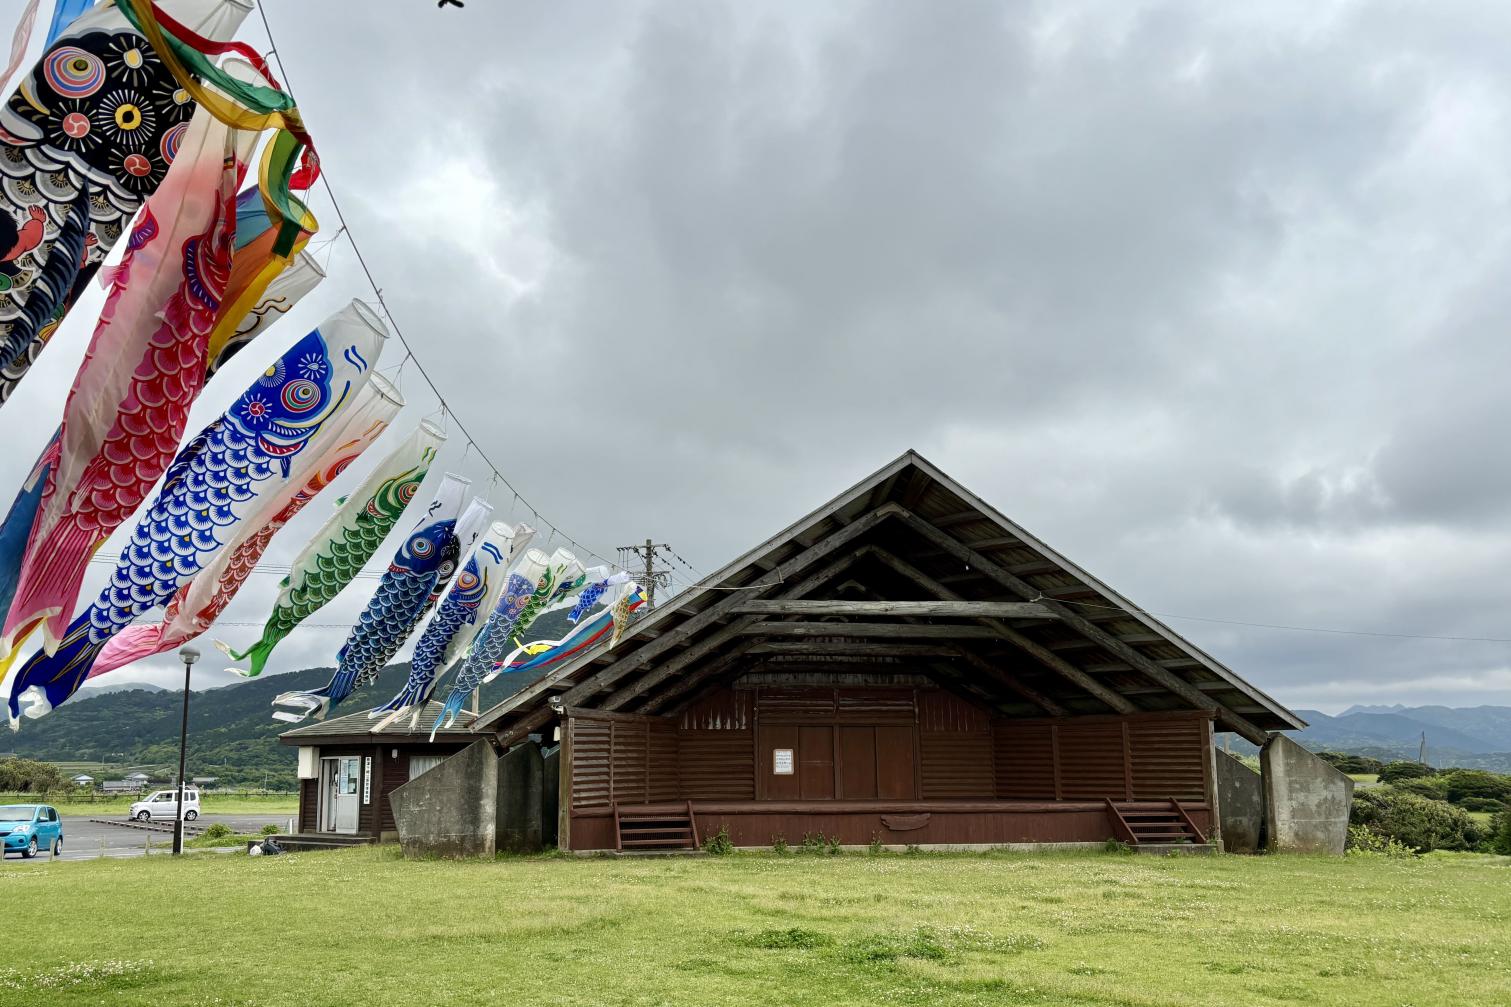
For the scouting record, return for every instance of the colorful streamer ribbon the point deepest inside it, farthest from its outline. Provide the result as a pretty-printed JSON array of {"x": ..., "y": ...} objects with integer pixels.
[
  {"x": 532, "y": 584},
  {"x": 98, "y": 119},
  {"x": 198, "y": 603},
  {"x": 399, "y": 602},
  {"x": 221, "y": 480},
  {"x": 347, "y": 540},
  {"x": 459, "y": 618},
  {"x": 145, "y": 365}
]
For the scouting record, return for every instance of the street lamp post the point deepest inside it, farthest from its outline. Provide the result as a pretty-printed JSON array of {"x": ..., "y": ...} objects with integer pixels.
[{"x": 189, "y": 655}]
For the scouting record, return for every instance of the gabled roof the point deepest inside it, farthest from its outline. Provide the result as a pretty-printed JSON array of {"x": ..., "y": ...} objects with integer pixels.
[
  {"x": 908, "y": 532},
  {"x": 358, "y": 728}
]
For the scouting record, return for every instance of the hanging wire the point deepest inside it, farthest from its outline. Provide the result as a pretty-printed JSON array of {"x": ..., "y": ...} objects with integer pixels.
[{"x": 383, "y": 305}]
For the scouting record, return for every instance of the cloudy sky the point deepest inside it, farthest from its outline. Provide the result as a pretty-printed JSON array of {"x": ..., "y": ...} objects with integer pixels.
[{"x": 1212, "y": 299}]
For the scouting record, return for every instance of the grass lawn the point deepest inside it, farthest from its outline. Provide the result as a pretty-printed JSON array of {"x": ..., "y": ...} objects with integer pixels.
[
  {"x": 366, "y": 927},
  {"x": 1366, "y": 778},
  {"x": 209, "y": 804}
]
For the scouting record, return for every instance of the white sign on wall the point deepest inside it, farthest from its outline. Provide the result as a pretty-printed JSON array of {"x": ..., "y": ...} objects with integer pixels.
[
  {"x": 367, "y": 780},
  {"x": 782, "y": 763}
]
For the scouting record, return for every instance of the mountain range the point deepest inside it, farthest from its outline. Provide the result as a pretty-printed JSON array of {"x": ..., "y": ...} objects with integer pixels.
[{"x": 1476, "y": 737}]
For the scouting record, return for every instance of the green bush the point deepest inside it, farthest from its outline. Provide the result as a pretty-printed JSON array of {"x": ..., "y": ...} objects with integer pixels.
[
  {"x": 1394, "y": 772},
  {"x": 269, "y": 830},
  {"x": 1500, "y": 833},
  {"x": 28, "y": 776},
  {"x": 1481, "y": 804},
  {"x": 1345, "y": 763},
  {"x": 219, "y": 830},
  {"x": 1415, "y": 821},
  {"x": 1364, "y": 841}
]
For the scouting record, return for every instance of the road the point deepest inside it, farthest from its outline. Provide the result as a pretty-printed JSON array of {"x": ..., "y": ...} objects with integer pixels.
[{"x": 85, "y": 840}]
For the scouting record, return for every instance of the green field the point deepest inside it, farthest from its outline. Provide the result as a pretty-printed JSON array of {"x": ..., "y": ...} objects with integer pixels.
[
  {"x": 365, "y": 927},
  {"x": 210, "y": 803}
]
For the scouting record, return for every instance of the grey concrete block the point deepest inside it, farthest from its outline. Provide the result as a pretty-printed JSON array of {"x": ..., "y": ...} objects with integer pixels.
[
  {"x": 1240, "y": 803},
  {"x": 1306, "y": 800},
  {"x": 520, "y": 777},
  {"x": 451, "y": 811}
]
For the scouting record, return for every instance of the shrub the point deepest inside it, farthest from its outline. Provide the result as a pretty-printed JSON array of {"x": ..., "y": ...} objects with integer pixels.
[
  {"x": 28, "y": 776},
  {"x": 1500, "y": 833},
  {"x": 1364, "y": 841},
  {"x": 269, "y": 830},
  {"x": 719, "y": 843},
  {"x": 219, "y": 830},
  {"x": 1481, "y": 804},
  {"x": 1414, "y": 820},
  {"x": 1394, "y": 772},
  {"x": 779, "y": 846},
  {"x": 1346, "y": 763}
]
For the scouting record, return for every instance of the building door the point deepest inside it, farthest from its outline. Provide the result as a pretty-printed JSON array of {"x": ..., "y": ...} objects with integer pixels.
[{"x": 340, "y": 803}]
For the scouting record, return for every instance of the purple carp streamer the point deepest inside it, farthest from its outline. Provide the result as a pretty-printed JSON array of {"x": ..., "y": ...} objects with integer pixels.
[
  {"x": 457, "y": 621},
  {"x": 344, "y": 544},
  {"x": 94, "y": 125},
  {"x": 531, "y": 585},
  {"x": 399, "y": 602},
  {"x": 220, "y": 480}
]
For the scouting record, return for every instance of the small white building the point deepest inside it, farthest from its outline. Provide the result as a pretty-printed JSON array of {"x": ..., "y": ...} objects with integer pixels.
[{"x": 83, "y": 780}]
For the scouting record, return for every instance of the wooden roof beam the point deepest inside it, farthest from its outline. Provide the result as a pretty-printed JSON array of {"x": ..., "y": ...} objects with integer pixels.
[
  {"x": 1243, "y": 726},
  {"x": 1012, "y": 682},
  {"x": 868, "y": 648},
  {"x": 897, "y": 630},
  {"x": 944, "y": 609},
  {"x": 1044, "y": 656}
]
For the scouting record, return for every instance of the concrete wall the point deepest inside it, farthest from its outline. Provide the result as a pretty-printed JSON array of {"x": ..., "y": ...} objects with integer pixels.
[
  {"x": 1306, "y": 800},
  {"x": 451, "y": 811},
  {"x": 1240, "y": 802},
  {"x": 520, "y": 779}
]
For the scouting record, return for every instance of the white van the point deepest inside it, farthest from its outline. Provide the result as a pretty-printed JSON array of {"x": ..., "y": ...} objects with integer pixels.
[{"x": 164, "y": 804}]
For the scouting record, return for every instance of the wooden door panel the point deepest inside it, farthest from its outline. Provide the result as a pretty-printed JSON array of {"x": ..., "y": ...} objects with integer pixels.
[
  {"x": 857, "y": 763},
  {"x": 815, "y": 754},
  {"x": 896, "y": 777}
]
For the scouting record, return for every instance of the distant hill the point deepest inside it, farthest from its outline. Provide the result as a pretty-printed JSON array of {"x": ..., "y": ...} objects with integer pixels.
[
  {"x": 232, "y": 735},
  {"x": 91, "y": 691},
  {"x": 1477, "y": 737}
]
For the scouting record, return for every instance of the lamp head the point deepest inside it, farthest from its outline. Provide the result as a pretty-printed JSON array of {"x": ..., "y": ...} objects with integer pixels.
[{"x": 188, "y": 655}]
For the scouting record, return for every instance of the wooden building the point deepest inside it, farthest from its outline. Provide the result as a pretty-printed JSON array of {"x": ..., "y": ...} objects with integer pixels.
[
  {"x": 347, "y": 769},
  {"x": 904, "y": 664}
]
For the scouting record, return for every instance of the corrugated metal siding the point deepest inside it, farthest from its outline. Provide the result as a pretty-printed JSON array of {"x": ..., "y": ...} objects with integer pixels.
[
  {"x": 1169, "y": 759},
  {"x": 1024, "y": 759}
]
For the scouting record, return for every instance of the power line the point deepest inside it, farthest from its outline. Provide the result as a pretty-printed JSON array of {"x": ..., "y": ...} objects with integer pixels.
[{"x": 446, "y": 409}]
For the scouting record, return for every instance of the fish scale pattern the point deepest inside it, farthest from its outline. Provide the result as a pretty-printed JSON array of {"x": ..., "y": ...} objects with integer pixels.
[
  {"x": 459, "y": 609},
  {"x": 335, "y": 563}
]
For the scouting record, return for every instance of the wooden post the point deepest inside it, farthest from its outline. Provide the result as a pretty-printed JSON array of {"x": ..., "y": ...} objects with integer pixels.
[{"x": 564, "y": 788}]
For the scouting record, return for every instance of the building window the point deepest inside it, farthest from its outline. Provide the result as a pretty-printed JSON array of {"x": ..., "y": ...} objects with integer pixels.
[{"x": 420, "y": 763}]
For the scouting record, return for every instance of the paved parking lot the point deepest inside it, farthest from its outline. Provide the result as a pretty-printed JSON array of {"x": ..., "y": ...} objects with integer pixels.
[{"x": 86, "y": 840}]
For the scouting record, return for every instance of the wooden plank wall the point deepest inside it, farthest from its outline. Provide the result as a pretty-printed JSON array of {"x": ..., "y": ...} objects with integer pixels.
[
  {"x": 717, "y": 738},
  {"x": 622, "y": 760},
  {"x": 954, "y": 747},
  {"x": 1138, "y": 757}
]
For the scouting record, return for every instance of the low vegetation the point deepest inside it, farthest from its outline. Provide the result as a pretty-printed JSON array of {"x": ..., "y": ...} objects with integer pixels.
[
  {"x": 363, "y": 926},
  {"x": 1421, "y": 808}
]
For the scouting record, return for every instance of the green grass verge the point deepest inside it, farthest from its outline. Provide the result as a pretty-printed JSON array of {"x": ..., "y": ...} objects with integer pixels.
[
  {"x": 1364, "y": 777},
  {"x": 364, "y": 926}
]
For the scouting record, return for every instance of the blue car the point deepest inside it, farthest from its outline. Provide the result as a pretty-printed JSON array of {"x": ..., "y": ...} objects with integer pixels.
[{"x": 28, "y": 828}]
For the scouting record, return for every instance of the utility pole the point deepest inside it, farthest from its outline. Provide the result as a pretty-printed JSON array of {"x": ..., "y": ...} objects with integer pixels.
[
  {"x": 652, "y": 574},
  {"x": 1422, "y": 750},
  {"x": 188, "y": 655}
]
